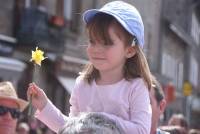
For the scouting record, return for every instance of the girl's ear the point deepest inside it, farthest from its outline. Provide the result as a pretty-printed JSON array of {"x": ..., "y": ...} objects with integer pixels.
[{"x": 130, "y": 52}]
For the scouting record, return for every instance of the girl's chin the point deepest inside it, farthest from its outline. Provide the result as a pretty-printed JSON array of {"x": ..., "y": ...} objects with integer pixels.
[
  {"x": 98, "y": 67},
  {"x": 101, "y": 69}
]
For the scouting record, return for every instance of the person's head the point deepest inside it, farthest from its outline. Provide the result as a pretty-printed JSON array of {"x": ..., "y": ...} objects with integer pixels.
[
  {"x": 116, "y": 39},
  {"x": 158, "y": 103},
  {"x": 10, "y": 108},
  {"x": 194, "y": 131},
  {"x": 91, "y": 123},
  {"x": 174, "y": 129},
  {"x": 179, "y": 120},
  {"x": 23, "y": 128}
]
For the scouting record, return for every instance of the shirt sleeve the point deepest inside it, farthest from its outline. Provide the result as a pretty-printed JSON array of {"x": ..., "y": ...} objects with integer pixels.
[
  {"x": 74, "y": 108},
  {"x": 140, "y": 111},
  {"x": 51, "y": 116}
]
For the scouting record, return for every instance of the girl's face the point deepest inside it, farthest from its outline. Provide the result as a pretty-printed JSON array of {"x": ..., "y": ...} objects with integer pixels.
[{"x": 108, "y": 57}]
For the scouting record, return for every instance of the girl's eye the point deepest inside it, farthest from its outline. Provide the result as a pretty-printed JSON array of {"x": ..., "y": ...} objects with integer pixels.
[
  {"x": 104, "y": 44},
  {"x": 109, "y": 44},
  {"x": 91, "y": 42}
]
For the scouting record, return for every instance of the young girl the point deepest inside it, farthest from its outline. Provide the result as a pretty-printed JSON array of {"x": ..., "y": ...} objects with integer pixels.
[{"x": 117, "y": 80}]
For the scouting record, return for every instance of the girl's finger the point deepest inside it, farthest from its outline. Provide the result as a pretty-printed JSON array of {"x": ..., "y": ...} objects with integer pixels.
[
  {"x": 31, "y": 91},
  {"x": 37, "y": 89},
  {"x": 28, "y": 93}
]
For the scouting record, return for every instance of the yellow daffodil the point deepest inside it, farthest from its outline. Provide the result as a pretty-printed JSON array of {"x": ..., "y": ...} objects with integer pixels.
[{"x": 38, "y": 56}]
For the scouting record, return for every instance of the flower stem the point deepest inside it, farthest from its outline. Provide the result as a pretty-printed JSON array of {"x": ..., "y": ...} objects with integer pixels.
[{"x": 30, "y": 108}]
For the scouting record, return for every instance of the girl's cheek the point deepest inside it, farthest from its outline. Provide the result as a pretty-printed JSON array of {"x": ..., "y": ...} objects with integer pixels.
[{"x": 90, "y": 48}]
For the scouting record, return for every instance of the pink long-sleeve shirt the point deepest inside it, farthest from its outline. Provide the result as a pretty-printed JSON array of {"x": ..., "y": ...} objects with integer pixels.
[{"x": 126, "y": 102}]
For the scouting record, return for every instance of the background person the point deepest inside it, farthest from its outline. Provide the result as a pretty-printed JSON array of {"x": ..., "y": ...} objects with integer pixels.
[
  {"x": 194, "y": 131},
  {"x": 174, "y": 129},
  {"x": 11, "y": 108},
  {"x": 158, "y": 104},
  {"x": 178, "y": 120}
]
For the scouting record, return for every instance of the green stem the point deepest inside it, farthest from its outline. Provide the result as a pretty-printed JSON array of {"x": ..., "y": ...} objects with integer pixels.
[{"x": 30, "y": 109}]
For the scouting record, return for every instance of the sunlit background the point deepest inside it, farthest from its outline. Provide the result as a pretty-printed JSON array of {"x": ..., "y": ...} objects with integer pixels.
[{"x": 172, "y": 46}]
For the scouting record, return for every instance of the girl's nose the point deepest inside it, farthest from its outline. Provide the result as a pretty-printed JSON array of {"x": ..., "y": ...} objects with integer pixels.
[{"x": 98, "y": 48}]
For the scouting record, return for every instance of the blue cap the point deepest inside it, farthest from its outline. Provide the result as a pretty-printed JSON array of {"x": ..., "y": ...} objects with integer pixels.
[{"x": 126, "y": 14}]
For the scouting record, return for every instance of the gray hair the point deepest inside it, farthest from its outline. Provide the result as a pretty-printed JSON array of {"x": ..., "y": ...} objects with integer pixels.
[{"x": 90, "y": 123}]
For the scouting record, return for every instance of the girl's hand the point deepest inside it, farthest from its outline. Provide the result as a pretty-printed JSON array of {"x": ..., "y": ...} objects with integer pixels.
[{"x": 39, "y": 98}]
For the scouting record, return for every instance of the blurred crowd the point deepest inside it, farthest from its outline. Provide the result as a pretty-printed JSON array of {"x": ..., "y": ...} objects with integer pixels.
[
  {"x": 14, "y": 121},
  {"x": 177, "y": 124}
]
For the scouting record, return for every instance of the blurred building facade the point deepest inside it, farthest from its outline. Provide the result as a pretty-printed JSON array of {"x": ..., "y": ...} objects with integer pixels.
[
  {"x": 172, "y": 32},
  {"x": 172, "y": 35},
  {"x": 181, "y": 61}
]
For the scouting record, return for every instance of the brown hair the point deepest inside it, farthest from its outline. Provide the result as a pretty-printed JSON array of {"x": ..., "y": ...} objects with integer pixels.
[
  {"x": 134, "y": 67},
  {"x": 158, "y": 90}
]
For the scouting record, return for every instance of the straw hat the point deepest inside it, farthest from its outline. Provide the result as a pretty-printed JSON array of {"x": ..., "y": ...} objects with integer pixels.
[{"x": 8, "y": 92}]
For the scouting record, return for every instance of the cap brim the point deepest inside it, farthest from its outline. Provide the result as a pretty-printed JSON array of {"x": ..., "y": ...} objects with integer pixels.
[
  {"x": 22, "y": 103},
  {"x": 89, "y": 14}
]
